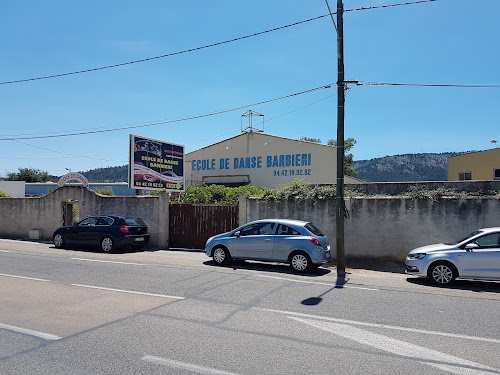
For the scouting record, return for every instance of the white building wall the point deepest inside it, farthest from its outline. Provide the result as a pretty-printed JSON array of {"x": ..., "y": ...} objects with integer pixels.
[
  {"x": 13, "y": 188},
  {"x": 263, "y": 160}
]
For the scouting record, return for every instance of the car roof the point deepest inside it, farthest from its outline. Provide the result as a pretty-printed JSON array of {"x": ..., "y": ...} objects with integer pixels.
[
  {"x": 492, "y": 229},
  {"x": 283, "y": 221}
]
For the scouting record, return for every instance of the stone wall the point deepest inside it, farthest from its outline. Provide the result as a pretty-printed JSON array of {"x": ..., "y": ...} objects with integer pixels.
[
  {"x": 399, "y": 188},
  {"x": 385, "y": 227},
  {"x": 18, "y": 216}
]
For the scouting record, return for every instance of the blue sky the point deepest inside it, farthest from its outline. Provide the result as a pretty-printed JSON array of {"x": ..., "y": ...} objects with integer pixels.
[{"x": 442, "y": 42}]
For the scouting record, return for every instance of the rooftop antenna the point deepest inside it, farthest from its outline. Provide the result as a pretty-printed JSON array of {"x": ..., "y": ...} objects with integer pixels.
[
  {"x": 495, "y": 142},
  {"x": 248, "y": 121}
]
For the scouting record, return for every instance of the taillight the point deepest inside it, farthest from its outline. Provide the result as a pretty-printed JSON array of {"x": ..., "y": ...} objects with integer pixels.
[
  {"x": 315, "y": 241},
  {"x": 124, "y": 229},
  {"x": 147, "y": 229}
]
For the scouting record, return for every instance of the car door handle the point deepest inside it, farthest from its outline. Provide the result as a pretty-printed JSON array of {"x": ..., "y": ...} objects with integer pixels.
[{"x": 267, "y": 240}]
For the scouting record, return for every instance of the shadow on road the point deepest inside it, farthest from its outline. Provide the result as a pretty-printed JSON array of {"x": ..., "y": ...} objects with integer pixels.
[
  {"x": 268, "y": 267},
  {"x": 471, "y": 285}
]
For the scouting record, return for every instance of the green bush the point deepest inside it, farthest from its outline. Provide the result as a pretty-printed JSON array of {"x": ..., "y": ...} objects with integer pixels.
[
  {"x": 4, "y": 195},
  {"x": 217, "y": 194}
]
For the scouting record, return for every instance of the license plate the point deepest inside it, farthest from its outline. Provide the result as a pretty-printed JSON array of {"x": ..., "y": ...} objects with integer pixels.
[{"x": 139, "y": 239}]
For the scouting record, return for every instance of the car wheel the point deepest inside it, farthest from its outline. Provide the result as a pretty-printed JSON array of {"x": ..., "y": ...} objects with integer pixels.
[
  {"x": 442, "y": 273},
  {"x": 107, "y": 244},
  {"x": 221, "y": 255},
  {"x": 59, "y": 241},
  {"x": 301, "y": 262}
]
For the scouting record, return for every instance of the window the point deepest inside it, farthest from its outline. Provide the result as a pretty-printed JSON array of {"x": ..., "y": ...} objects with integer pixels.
[
  {"x": 104, "y": 221},
  {"x": 88, "y": 221},
  {"x": 496, "y": 174},
  {"x": 257, "y": 229},
  {"x": 462, "y": 176},
  {"x": 314, "y": 229},
  {"x": 284, "y": 230},
  {"x": 488, "y": 241}
]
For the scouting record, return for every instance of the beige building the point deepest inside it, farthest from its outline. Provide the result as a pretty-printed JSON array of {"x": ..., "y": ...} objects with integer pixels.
[
  {"x": 481, "y": 165},
  {"x": 263, "y": 160}
]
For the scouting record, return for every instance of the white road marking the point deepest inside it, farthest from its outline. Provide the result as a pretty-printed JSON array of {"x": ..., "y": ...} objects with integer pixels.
[
  {"x": 23, "y": 277},
  {"x": 109, "y": 261},
  {"x": 376, "y": 325},
  {"x": 315, "y": 282},
  {"x": 4, "y": 251},
  {"x": 127, "y": 291},
  {"x": 43, "y": 335},
  {"x": 426, "y": 356},
  {"x": 185, "y": 366}
]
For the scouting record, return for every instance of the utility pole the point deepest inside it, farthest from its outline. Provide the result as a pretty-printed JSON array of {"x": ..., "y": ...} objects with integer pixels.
[{"x": 340, "y": 143}]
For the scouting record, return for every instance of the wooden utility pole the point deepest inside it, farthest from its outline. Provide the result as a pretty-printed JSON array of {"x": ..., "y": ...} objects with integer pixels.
[{"x": 340, "y": 142}]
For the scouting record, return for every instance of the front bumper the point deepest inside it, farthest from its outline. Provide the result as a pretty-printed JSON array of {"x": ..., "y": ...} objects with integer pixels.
[{"x": 415, "y": 267}]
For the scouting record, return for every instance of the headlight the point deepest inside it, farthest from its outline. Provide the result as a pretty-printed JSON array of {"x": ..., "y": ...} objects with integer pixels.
[{"x": 417, "y": 256}]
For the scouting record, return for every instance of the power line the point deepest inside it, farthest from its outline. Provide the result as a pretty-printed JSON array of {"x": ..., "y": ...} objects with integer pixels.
[
  {"x": 205, "y": 46},
  {"x": 365, "y": 83},
  {"x": 6, "y": 138},
  {"x": 390, "y": 5}
]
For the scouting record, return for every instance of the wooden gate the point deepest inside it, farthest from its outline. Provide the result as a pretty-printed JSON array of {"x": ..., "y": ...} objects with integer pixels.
[{"x": 191, "y": 225}]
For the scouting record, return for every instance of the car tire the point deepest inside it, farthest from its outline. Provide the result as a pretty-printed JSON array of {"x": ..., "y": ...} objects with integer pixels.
[
  {"x": 442, "y": 273},
  {"x": 300, "y": 262},
  {"x": 58, "y": 240},
  {"x": 221, "y": 255},
  {"x": 107, "y": 244}
]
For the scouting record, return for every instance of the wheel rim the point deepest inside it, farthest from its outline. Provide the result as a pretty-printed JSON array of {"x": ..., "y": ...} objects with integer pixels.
[
  {"x": 219, "y": 255},
  {"x": 442, "y": 274},
  {"x": 107, "y": 244},
  {"x": 58, "y": 240},
  {"x": 299, "y": 262}
]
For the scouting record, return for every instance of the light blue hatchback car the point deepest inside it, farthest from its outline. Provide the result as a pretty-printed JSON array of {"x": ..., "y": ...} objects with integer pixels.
[{"x": 298, "y": 243}]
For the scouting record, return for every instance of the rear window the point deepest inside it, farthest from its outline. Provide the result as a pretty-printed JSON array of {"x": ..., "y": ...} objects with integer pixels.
[
  {"x": 134, "y": 221},
  {"x": 314, "y": 229}
]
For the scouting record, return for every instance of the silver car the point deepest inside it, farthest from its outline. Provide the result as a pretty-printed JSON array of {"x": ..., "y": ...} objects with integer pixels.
[
  {"x": 476, "y": 256},
  {"x": 299, "y": 243}
]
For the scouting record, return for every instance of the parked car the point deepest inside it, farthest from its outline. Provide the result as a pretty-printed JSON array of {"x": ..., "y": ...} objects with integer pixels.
[
  {"x": 477, "y": 256},
  {"x": 299, "y": 243},
  {"x": 109, "y": 232}
]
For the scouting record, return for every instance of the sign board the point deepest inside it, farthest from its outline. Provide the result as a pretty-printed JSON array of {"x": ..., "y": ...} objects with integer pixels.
[
  {"x": 155, "y": 164},
  {"x": 78, "y": 177}
]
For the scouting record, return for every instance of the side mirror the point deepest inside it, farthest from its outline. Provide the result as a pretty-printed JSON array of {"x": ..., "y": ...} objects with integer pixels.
[
  {"x": 471, "y": 246},
  {"x": 75, "y": 223},
  {"x": 237, "y": 233}
]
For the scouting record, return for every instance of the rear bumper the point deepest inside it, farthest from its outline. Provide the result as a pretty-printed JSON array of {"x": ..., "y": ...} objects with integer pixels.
[{"x": 132, "y": 240}]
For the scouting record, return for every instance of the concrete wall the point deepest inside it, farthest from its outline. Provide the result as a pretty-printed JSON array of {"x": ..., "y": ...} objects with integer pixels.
[
  {"x": 20, "y": 215},
  {"x": 398, "y": 188},
  {"x": 385, "y": 227}
]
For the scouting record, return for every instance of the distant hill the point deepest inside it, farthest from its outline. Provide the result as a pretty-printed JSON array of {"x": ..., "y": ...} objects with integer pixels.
[
  {"x": 407, "y": 167},
  {"x": 109, "y": 174}
]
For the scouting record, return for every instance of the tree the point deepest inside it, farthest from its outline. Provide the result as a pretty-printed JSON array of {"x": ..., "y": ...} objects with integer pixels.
[
  {"x": 316, "y": 140},
  {"x": 29, "y": 175},
  {"x": 348, "y": 158}
]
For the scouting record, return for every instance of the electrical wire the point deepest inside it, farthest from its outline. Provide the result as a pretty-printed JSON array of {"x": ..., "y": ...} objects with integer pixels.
[
  {"x": 5, "y": 138},
  {"x": 364, "y": 83},
  {"x": 208, "y": 45}
]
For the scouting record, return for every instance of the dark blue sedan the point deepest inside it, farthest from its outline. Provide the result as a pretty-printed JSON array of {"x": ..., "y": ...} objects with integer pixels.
[{"x": 109, "y": 232}]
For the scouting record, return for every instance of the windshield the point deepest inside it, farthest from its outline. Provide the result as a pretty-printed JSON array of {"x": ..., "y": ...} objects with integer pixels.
[
  {"x": 134, "y": 221},
  {"x": 463, "y": 239}
]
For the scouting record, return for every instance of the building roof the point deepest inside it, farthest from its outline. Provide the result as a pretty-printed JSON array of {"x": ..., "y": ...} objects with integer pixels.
[{"x": 259, "y": 134}]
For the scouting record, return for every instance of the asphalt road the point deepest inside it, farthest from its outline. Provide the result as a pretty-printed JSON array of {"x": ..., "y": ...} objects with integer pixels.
[{"x": 176, "y": 312}]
